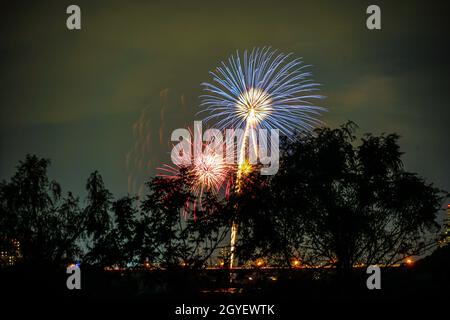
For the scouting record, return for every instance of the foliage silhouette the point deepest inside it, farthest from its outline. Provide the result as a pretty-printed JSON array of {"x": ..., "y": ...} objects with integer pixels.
[
  {"x": 337, "y": 203},
  {"x": 34, "y": 212},
  {"x": 177, "y": 230},
  {"x": 333, "y": 202}
]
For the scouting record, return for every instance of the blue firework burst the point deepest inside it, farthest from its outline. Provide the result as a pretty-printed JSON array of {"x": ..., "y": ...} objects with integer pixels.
[{"x": 264, "y": 89}]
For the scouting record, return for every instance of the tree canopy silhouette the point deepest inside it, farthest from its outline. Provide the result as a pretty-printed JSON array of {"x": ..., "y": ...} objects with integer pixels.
[
  {"x": 177, "y": 229},
  {"x": 334, "y": 201},
  {"x": 341, "y": 203},
  {"x": 35, "y": 213}
]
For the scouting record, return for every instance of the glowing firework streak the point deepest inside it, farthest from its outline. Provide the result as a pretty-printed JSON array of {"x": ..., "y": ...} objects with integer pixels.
[
  {"x": 267, "y": 89},
  {"x": 264, "y": 90},
  {"x": 208, "y": 172}
]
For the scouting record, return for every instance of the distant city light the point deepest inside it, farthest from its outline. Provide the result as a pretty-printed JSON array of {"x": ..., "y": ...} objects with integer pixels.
[
  {"x": 259, "y": 262},
  {"x": 295, "y": 263}
]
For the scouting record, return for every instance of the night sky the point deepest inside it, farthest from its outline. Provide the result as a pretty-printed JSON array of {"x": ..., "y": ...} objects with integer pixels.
[{"x": 75, "y": 96}]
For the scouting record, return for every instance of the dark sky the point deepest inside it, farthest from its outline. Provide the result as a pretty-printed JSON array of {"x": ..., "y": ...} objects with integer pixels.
[{"x": 74, "y": 96}]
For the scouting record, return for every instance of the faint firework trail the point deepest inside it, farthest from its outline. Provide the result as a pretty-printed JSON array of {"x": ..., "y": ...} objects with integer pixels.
[
  {"x": 183, "y": 101},
  {"x": 139, "y": 153},
  {"x": 149, "y": 145},
  {"x": 163, "y": 96}
]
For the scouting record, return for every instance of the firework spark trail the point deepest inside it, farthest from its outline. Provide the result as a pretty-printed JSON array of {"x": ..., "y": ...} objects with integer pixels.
[
  {"x": 208, "y": 172},
  {"x": 267, "y": 90},
  {"x": 148, "y": 135},
  {"x": 139, "y": 153}
]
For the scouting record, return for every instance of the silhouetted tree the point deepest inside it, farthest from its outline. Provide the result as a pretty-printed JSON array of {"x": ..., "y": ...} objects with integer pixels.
[
  {"x": 253, "y": 211},
  {"x": 49, "y": 227},
  {"x": 34, "y": 213},
  {"x": 117, "y": 244},
  {"x": 356, "y": 204},
  {"x": 333, "y": 201},
  {"x": 173, "y": 234},
  {"x": 98, "y": 206}
]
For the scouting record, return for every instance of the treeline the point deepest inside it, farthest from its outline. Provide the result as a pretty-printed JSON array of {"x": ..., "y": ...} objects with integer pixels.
[
  {"x": 335, "y": 201},
  {"x": 58, "y": 229}
]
